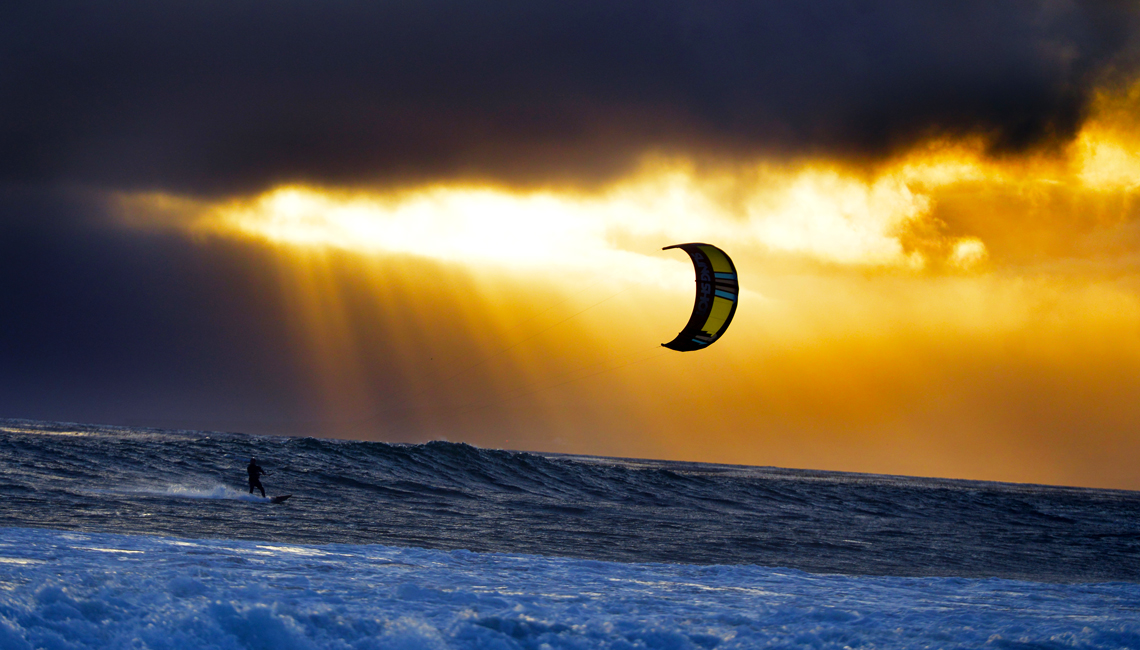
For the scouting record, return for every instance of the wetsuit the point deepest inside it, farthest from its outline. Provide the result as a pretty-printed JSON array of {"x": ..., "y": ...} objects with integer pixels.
[{"x": 255, "y": 473}]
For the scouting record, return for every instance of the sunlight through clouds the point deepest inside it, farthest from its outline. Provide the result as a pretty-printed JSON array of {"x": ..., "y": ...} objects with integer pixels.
[
  {"x": 832, "y": 213},
  {"x": 943, "y": 297},
  {"x": 816, "y": 211}
]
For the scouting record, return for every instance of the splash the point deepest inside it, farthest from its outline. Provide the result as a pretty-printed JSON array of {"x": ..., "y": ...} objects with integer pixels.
[{"x": 216, "y": 491}]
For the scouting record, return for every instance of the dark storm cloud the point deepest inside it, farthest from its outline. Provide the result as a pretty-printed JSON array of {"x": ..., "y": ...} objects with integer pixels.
[
  {"x": 229, "y": 96},
  {"x": 99, "y": 326}
]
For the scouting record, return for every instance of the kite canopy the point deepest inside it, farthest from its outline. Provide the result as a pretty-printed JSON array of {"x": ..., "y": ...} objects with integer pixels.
[{"x": 716, "y": 297}]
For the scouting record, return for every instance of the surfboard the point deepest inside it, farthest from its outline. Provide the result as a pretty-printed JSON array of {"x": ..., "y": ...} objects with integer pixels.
[{"x": 280, "y": 499}]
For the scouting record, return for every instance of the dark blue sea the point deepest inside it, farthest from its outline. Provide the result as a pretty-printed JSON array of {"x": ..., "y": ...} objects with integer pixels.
[{"x": 448, "y": 545}]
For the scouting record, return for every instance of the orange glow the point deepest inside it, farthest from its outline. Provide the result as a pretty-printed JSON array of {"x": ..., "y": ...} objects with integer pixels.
[
  {"x": 1108, "y": 149},
  {"x": 818, "y": 211},
  {"x": 939, "y": 313}
]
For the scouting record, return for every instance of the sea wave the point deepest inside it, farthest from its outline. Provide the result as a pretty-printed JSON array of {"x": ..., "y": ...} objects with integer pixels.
[{"x": 447, "y": 495}]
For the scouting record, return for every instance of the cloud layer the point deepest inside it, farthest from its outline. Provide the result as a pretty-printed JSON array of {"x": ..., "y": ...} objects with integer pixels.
[{"x": 204, "y": 97}]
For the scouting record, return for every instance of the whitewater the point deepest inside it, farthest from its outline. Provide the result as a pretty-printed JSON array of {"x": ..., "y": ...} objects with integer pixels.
[{"x": 115, "y": 537}]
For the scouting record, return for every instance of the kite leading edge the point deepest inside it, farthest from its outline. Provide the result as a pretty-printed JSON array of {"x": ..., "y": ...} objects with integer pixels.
[{"x": 715, "y": 305}]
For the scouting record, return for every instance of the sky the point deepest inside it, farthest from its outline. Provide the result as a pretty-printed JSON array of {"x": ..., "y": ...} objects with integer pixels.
[{"x": 420, "y": 220}]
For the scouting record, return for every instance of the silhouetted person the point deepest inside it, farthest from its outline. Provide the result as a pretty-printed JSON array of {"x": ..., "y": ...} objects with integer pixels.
[{"x": 255, "y": 473}]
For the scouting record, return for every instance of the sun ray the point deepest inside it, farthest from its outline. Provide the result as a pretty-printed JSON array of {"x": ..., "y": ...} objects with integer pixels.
[{"x": 943, "y": 290}]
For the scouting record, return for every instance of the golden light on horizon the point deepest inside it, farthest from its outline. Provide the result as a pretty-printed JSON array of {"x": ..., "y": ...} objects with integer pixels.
[{"x": 943, "y": 312}]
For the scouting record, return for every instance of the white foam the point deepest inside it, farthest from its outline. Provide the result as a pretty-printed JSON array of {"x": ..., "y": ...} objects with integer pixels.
[
  {"x": 199, "y": 491},
  {"x": 59, "y": 590}
]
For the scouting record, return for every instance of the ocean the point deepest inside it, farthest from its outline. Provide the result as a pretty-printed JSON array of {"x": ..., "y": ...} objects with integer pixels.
[{"x": 117, "y": 537}]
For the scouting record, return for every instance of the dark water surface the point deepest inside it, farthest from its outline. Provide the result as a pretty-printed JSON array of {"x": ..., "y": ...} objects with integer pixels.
[{"x": 449, "y": 496}]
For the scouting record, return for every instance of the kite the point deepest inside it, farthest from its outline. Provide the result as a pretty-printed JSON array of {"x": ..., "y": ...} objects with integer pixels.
[{"x": 717, "y": 290}]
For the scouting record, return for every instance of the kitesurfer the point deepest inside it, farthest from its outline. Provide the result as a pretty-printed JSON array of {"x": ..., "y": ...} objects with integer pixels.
[{"x": 255, "y": 473}]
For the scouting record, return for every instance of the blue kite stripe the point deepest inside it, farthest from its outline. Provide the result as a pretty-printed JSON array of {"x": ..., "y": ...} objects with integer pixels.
[
  {"x": 730, "y": 276},
  {"x": 722, "y": 294}
]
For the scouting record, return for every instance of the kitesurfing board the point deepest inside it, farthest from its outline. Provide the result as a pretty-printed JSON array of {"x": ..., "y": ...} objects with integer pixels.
[{"x": 280, "y": 499}]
